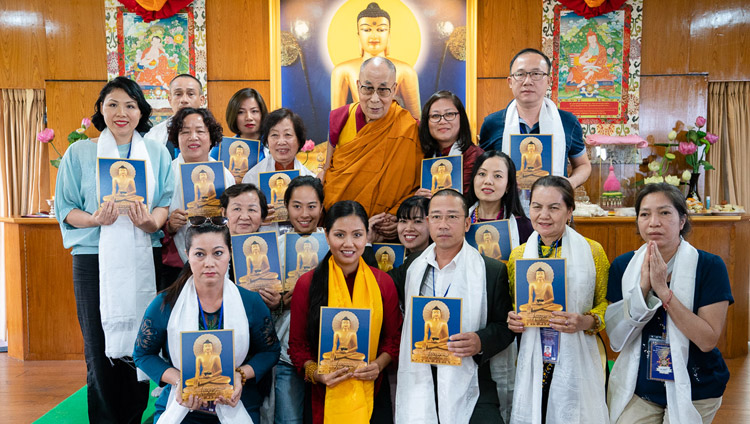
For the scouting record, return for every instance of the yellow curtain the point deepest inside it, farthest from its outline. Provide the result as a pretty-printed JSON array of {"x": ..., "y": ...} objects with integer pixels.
[
  {"x": 729, "y": 118},
  {"x": 22, "y": 117}
]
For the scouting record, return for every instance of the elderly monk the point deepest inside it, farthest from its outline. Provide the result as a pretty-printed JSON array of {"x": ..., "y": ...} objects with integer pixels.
[{"x": 374, "y": 154}]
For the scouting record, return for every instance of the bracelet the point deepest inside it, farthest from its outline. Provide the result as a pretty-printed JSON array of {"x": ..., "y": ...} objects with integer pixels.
[
  {"x": 310, "y": 370},
  {"x": 669, "y": 299},
  {"x": 242, "y": 375},
  {"x": 597, "y": 323}
]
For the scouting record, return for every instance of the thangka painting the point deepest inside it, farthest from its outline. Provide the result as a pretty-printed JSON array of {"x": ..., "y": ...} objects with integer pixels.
[
  {"x": 153, "y": 53},
  {"x": 322, "y": 43},
  {"x": 596, "y": 65}
]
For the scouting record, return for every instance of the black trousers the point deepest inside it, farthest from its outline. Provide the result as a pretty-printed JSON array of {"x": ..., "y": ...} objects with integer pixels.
[{"x": 114, "y": 393}]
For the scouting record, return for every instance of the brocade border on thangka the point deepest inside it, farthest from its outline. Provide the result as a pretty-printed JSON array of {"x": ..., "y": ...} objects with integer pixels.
[{"x": 619, "y": 116}]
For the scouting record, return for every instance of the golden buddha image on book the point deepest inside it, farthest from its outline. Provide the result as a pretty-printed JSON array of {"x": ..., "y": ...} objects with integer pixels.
[
  {"x": 344, "y": 339},
  {"x": 212, "y": 373},
  {"x": 540, "y": 290},
  {"x": 431, "y": 327}
]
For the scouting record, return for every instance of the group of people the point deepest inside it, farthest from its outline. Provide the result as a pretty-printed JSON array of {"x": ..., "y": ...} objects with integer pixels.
[{"x": 143, "y": 277}]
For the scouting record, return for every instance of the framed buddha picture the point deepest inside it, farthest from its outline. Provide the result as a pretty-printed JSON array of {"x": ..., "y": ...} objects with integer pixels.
[
  {"x": 389, "y": 255},
  {"x": 255, "y": 257},
  {"x": 532, "y": 155},
  {"x": 122, "y": 181},
  {"x": 541, "y": 288}
]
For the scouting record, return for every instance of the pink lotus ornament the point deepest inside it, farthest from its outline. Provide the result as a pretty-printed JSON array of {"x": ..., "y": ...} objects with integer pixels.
[
  {"x": 46, "y": 135},
  {"x": 687, "y": 148},
  {"x": 700, "y": 121},
  {"x": 712, "y": 138}
]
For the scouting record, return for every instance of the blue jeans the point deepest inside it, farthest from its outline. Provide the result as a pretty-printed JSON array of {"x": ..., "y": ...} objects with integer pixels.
[{"x": 290, "y": 395}]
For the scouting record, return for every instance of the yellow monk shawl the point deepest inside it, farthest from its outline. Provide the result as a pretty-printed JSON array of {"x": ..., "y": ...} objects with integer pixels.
[
  {"x": 351, "y": 401},
  {"x": 378, "y": 167}
]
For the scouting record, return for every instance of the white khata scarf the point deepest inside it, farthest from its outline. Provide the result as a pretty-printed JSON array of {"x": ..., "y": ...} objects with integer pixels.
[
  {"x": 549, "y": 123},
  {"x": 624, "y": 374},
  {"x": 127, "y": 281},
  {"x": 458, "y": 386},
  {"x": 184, "y": 317},
  {"x": 577, "y": 388}
]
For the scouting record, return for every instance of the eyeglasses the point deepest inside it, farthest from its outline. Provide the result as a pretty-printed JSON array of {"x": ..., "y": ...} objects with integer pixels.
[
  {"x": 367, "y": 90},
  {"x": 448, "y": 116},
  {"x": 535, "y": 75},
  {"x": 450, "y": 218},
  {"x": 197, "y": 221}
]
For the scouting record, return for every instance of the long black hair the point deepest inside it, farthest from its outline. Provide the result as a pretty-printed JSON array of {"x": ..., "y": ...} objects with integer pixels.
[
  {"x": 133, "y": 90},
  {"x": 172, "y": 292},
  {"x": 319, "y": 284},
  {"x": 429, "y": 145},
  {"x": 511, "y": 201}
]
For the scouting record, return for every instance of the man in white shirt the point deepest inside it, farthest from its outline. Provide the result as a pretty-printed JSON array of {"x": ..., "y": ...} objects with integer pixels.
[
  {"x": 184, "y": 91},
  {"x": 450, "y": 267}
]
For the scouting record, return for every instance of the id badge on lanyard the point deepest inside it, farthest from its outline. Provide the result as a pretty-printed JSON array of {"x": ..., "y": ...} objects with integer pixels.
[
  {"x": 660, "y": 357},
  {"x": 550, "y": 344}
]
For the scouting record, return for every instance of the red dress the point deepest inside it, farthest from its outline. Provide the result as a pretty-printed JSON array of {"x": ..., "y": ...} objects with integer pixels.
[{"x": 300, "y": 350}]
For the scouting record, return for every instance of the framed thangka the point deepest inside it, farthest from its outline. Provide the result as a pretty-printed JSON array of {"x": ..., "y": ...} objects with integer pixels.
[
  {"x": 596, "y": 65},
  {"x": 302, "y": 254},
  {"x": 389, "y": 255},
  {"x": 491, "y": 239},
  {"x": 317, "y": 47},
  {"x": 255, "y": 257},
  {"x": 541, "y": 288},
  {"x": 122, "y": 181},
  {"x": 153, "y": 53},
  {"x": 239, "y": 155},
  {"x": 344, "y": 340},
  {"x": 433, "y": 321}
]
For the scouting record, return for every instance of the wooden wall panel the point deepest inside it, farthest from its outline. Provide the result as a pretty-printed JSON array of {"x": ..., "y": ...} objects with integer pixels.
[
  {"x": 666, "y": 34},
  {"x": 237, "y": 40},
  {"x": 219, "y": 93},
  {"x": 667, "y": 99},
  {"x": 67, "y": 103},
  {"x": 76, "y": 45},
  {"x": 22, "y": 44},
  {"x": 720, "y": 39},
  {"x": 503, "y": 28},
  {"x": 493, "y": 94}
]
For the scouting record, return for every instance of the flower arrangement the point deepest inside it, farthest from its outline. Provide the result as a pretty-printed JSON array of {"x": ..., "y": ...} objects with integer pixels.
[
  {"x": 308, "y": 147},
  {"x": 695, "y": 138},
  {"x": 48, "y": 134}
]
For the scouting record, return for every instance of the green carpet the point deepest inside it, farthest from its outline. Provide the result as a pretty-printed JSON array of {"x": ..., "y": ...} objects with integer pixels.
[{"x": 74, "y": 410}]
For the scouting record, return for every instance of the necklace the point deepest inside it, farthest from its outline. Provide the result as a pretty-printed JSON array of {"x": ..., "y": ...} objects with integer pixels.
[
  {"x": 475, "y": 218},
  {"x": 539, "y": 247}
]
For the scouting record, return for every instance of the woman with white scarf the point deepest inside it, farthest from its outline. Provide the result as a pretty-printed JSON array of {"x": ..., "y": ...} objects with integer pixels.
[
  {"x": 669, "y": 310},
  {"x": 576, "y": 393},
  {"x": 194, "y": 132},
  {"x": 203, "y": 298},
  {"x": 115, "y": 257}
]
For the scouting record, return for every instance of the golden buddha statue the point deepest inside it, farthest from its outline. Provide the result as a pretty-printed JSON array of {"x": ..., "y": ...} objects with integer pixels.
[
  {"x": 238, "y": 163},
  {"x": 259, "y": 273},
  {"x": 307, "y": 259},
  {"x": 386, "y": 258},
  {"x": 278, "y": 184},
  {"x": 531, "y": 163},
  {"x": 123, "y": 186},
  {"x": 441, "y": 179},
  {"x": 374, "y": 31},
  {"x": 204, "y": 201},
  {"x": 541, "y": 294},
  {"x": 433, "y": 348},
  {"x": 489, "y": 247},
  {"x": 208, "y": 383}
]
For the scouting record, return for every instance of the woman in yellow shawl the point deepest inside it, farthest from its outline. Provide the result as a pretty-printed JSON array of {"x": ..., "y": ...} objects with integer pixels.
[{"x": 343, "y": 280}]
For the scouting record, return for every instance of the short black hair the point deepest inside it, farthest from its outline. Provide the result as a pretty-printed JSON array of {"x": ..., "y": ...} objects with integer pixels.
[
  {"x": 215, "y": 131},
  {"x": 279, "y": 115},
  {"x": 452, "y": 193},
  {"x": 237, "y": 189},
  {"x": 535, "y": 51},
  {"x": 412, "y": 207},
  {"x": 429, "y": 144},
  {"x": 304, "y": 181},
  {"x": 133, "y": 90},
  {"x": 193, "y": 77},
  {"x": 675, "y": 197}
]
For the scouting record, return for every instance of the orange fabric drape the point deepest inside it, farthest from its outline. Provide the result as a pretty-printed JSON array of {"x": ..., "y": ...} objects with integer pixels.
[
  {"x": 729, "y": 118},
  {"x": 22, "y": 117}
]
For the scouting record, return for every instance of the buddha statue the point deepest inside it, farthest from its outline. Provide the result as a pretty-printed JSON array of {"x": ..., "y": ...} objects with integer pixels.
[
  {"x": 435, "y": 332},
  {"x": 489, "y": 247},
  {"x": 541, "y": 294},
  {"x": 123, "y": 188},
  {"x": 385, "y": 263},
  {"x": 204, "y": 191},
  {"x": 307, "y": 259},
  {"x": 238, "y": 163},
  {"x": 374, "y": 31},
  {"x": 441, "y": 179},
  {"x": 207, "y": 368},
  {"x": 344, "y": 343}
]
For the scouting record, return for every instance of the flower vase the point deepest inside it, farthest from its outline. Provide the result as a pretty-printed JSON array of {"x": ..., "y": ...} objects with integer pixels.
[{"x": 693, "y": 187}]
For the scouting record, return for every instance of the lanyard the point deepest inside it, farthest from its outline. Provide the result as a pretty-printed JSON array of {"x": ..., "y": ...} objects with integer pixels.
[
  {"x": 434, "y": 283},
  {"x": 203, "y": 316},
  {"x": 553, "y": 250}
]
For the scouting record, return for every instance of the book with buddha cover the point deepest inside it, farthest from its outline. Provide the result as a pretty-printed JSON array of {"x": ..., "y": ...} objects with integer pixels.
[
  {"x": 532, "y": 155},
  {"x": 255, "y": 257},
  {"x": 239, "y": 155},
  {"x": 443, "y": 172},
  {"x": 202, "y": 184},
  {"x": 273, "y": 185},
  {"x": 207, "y": 359},
  {"x": 122, "y": 181},
  {"x": 491, "y": 239},
  {"x": 302, "y": 253},
  {"x": 433, "y": 321},
  {"x": 541, "y": 288},
  {"x": 344, "y": 340}
]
